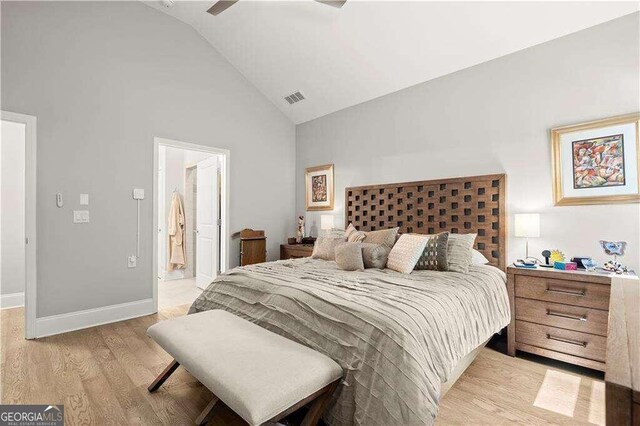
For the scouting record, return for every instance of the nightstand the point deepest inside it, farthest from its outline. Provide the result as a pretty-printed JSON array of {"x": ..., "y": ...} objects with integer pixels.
[
  {"x": 294, "y": 251},
  {"x": 559, "y": 314}
]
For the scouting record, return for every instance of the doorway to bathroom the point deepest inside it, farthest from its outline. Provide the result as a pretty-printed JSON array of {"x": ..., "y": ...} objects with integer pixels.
[{"x": 191, "y": 199}]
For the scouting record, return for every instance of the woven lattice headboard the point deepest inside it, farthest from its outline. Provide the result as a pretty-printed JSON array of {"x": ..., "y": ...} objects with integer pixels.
[{"x": 459, "y": 205}]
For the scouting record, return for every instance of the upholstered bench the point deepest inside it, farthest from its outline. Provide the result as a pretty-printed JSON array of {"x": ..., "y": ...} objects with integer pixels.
[{"x": 260, "y": 375}]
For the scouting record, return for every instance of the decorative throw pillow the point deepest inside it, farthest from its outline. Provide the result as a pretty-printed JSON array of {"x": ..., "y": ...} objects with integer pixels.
[
  {"x": 405, "y": 253},
  {"x": 478, "y": 258},
  {"x": 349, "y": 257},
  {"x": 434, "y": 255},
  {"x": 324, "y": 248},
  {"x": 353, "y": 235},
  {"x": 459, "y": 252},
  {"x": 386, "y": 237},
  {"x": 333, "y": 233},
  {"x": 374, "y": 255}
]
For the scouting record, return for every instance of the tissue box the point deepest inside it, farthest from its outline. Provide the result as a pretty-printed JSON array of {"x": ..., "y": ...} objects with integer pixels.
[{"x": 566, "y": 266}]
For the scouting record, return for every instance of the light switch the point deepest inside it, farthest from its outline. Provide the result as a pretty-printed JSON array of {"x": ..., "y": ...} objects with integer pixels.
[
  {"x": 84, "y": 199},
  {"x": 81, "y": 216}
]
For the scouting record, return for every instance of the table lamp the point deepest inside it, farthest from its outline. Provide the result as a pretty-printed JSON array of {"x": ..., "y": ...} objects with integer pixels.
[
  {"x": 527, "y": 225},
  {"x": 326, "y": 222}
]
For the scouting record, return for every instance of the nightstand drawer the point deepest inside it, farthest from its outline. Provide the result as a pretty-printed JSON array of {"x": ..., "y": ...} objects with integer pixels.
[
  {"x": 295, "y": 251},
  {"x": 586, "y": 320},
  {"x": 563, "y": 291},
  {"x": 560, "y": 340}
]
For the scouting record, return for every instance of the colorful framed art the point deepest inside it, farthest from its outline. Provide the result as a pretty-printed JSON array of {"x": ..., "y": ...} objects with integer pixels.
[
  {"x": 319, "y": 188},
  {"x": 597, "y": 162}
]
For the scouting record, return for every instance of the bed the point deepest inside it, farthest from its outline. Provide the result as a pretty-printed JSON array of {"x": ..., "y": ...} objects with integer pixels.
[{"x": 402, "y": 339}]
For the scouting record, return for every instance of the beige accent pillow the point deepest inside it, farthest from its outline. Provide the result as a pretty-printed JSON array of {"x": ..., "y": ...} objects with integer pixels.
[
  {"x": 405, "y": 253},
  {"x": 460, "y": 252},
  {"x": 324, "y": 248},
  {"x": 349, "y": 257},
  {"x": 385, "y": 237},
  {"x": 353, "y": 235},
  {"x": 374, "y": 255}
]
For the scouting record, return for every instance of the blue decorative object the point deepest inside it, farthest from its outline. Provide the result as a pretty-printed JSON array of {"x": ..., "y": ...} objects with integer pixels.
[
  {"x": 589, "y": 264},
  {"x": 615, "y": 249}
]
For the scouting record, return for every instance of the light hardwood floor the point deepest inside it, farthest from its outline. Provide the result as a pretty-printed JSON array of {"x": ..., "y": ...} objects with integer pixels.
[{"x": 101, "y": 376}]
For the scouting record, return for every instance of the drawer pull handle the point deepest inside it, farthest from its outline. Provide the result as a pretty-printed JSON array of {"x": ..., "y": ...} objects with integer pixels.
[
  {"x": 568, "y": 316},
  {"x": 566, "y": 291},
  {"x": 570, "y": 341}
]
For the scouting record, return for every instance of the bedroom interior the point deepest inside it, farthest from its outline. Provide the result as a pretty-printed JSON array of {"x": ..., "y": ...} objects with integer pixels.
[{"x": 371, "y": 224}]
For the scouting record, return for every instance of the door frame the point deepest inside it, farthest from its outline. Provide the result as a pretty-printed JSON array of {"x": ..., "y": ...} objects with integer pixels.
[
  {"x": 31, "y": 276},
  {"x": 224, "y": 229}
]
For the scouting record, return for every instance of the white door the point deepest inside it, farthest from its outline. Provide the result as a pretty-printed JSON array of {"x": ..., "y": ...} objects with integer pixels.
[
  {"x": 207, "y": 222},
  {"x": 12, "y": 219}
]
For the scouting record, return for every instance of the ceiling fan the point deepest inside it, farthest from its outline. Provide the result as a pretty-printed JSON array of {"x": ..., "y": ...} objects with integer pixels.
[{"x": 222, "y": 5}]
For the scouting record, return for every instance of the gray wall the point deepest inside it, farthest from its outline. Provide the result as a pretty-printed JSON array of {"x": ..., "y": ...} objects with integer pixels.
[
  {"x": 494, "y": 117},
  {"x": 103, "y": 79}
]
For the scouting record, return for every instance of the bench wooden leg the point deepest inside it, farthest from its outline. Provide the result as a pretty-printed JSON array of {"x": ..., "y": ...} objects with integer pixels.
[
  {"x": 207, "y": 413},
  {"x": 163, "y": 376},
  {"x": 319, "y": 404}
]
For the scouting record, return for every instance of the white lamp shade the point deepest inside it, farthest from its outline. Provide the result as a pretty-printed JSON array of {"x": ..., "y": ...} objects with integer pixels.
[
  {"x": 527, "y": 225},
  {"x": 326, "y": 221}
]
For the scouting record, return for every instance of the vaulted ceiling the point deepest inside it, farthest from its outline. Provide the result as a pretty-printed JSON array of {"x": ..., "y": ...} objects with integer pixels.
[{"x": 341, "y": 57}]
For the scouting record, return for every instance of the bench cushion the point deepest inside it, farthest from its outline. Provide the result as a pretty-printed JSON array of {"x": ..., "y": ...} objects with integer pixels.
[{"x": 255, "y": 372}]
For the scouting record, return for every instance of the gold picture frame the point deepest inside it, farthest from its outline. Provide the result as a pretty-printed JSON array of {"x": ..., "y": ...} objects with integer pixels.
[
  {"x": 561, "y": 136},
  {"x": 319, "y": 188}
]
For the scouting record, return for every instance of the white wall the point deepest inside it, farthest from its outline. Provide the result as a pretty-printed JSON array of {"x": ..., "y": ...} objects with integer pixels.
[
  {"x": 12, "y": 228},
  {"x": 492, "y": 118},
  {"x": 104, "y": 78}
]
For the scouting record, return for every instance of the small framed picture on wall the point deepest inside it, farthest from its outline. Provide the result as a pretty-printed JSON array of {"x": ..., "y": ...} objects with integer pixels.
[
  {"x": 319, "y": 187},
  {"x": 597, "y": 162}
]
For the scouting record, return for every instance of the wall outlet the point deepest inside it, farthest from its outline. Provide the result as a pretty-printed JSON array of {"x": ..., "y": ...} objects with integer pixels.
[
  {"x": 81, "y": 216},
  {"x": 132, "y": 261}
]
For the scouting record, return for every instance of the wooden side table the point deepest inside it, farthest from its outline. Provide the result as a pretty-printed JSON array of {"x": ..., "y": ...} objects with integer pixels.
[
  {"x": 295, "y": 251},
  {"x": 559, "y": 314}
]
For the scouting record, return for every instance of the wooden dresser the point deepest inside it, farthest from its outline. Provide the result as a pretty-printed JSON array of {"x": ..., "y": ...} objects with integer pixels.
[
  {"x": 559, "y": 314},
  {"x": 294, "y": 251},
  {"x": 253, "y": 247}
]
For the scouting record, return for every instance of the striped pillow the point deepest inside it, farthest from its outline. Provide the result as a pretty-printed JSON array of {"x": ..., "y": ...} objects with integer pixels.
[
  {"x": 353, "y": 235},
  {"x": 460, "y": 252},
  {"x": 434, "y": 256}
]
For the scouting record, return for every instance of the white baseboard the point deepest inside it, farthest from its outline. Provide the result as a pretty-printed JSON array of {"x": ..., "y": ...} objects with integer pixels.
[
  {"x": 56, "y": 324},
  {"x": 11, "y": 300}
]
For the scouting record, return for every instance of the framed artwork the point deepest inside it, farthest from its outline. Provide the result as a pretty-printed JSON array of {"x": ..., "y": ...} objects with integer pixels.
[
  {"x": 319, "y": 187},
  {"x": 597, "y": 162}
]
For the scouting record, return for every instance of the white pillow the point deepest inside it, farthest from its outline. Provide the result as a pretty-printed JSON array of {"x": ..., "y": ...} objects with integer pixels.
[
  {"x": 478, "y": 258},
  {"x": 405, "y": 253}
]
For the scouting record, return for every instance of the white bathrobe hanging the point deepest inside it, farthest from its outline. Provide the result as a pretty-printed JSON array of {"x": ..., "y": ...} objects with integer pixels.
[{"x": 177, "y": 249}]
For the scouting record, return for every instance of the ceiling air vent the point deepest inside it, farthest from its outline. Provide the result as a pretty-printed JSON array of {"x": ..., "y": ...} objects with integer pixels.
[{"x": 293, "y": 98}]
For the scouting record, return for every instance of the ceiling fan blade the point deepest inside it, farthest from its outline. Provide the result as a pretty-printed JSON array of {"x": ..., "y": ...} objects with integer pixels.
[
  {"x": 334, "y": 3},
  {"x": 220, "y": 6}
]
